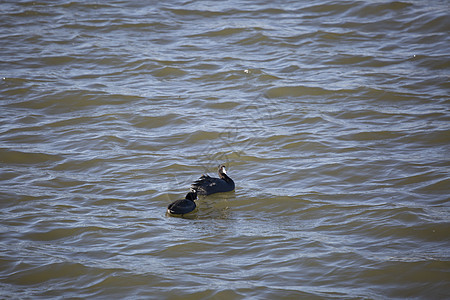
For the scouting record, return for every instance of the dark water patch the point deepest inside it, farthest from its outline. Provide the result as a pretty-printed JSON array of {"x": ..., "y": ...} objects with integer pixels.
[
  {"x": 54, "y": 101},
  {"x": 373, "y": 136},
  {"x": 223, "y": 32},
  {"x": 60, "y": 233},
  {"x": 41, "y": 274},
  {"x": 15, "y": 157},
  {"x": 373, "y": 9},
  {"x": 296, "y": 91},
  {"x": 437, "y": 186},
  {"x": 429, "y": 23},
  {"x": 169, "y": 72},
  {"x": 409, "y": 281},
  {"x": 328, "y": 8}
]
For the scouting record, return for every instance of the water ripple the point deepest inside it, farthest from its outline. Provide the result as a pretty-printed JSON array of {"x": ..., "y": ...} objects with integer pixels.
[{"x": 332, "y": 118}]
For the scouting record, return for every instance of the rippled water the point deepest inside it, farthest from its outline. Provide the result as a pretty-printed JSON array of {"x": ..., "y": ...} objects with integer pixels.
[{"x": 331, "y": 116}]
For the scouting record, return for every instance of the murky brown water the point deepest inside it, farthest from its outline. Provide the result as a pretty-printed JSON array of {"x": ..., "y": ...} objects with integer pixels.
[{"x": 331, "y": 116}]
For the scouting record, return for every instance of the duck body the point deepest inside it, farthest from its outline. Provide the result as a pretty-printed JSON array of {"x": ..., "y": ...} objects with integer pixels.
[
  {"x": 207, "y": 185},
  {"x": 183, "y": 206}
]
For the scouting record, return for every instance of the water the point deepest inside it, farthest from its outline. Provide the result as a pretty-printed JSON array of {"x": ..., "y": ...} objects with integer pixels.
[{"x": 331, "y": 116}]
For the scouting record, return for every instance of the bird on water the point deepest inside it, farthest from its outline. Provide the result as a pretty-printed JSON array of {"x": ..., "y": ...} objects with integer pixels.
[
  {"x": 183, "y": 206},
  {"x": 207, "y": 185}
]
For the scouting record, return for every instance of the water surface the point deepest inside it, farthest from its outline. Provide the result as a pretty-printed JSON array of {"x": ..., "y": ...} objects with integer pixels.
[{"x": 331, "y": 116}]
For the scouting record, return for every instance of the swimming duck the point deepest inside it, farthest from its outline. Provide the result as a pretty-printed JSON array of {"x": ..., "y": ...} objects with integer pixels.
[
  {"x": 183, "y": 206},
  {"x": 207, "y": 185}
]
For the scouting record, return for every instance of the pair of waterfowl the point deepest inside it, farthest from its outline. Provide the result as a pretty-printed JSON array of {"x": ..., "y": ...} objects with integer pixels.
[{"x": 205, "y": 185}]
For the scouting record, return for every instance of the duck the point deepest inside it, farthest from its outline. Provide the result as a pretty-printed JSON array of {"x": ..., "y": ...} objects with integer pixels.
[
  {"x": 183, "y": 206},
  {"x": 207, "y": 185}
]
